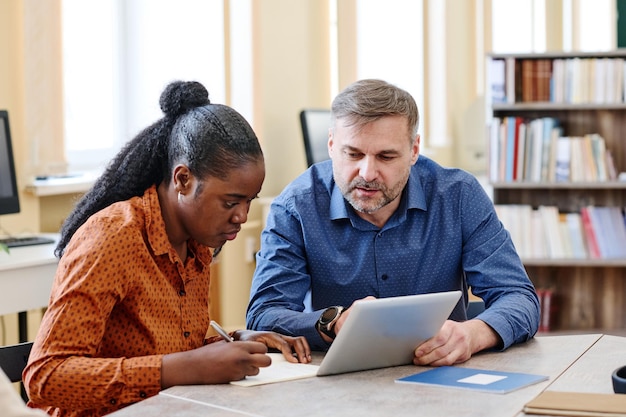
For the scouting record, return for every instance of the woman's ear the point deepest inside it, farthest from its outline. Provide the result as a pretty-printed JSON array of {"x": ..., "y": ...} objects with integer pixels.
[{"x": 181, "y": 178}]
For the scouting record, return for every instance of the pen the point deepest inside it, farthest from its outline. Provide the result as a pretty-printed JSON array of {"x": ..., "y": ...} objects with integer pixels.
[{"x": 221, "y": 331}]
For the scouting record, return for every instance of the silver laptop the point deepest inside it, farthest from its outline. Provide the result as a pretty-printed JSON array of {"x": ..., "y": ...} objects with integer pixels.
[{"x": 385, "y": 332}]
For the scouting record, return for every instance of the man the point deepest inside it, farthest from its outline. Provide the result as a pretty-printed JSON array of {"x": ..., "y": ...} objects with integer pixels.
[{"x": 379, "y": 220}]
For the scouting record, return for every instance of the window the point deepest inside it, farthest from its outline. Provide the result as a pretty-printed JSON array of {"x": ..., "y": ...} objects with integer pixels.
[
  {"x": 518, "y": 26},
  {"x": 523, "y": 26},
  {"x": 390, "y": 44},
  {"x": 119, "y": 55}
]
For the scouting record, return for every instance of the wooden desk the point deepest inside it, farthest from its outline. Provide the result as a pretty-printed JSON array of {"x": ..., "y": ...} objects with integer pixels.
[
  {"x": 26, "y": 275},
  {"x": 374, "y": 393},
  {"x": 592, "y": 372}
]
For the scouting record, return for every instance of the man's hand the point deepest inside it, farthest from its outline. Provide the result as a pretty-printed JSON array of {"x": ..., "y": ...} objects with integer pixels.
[{"x": 455, "y": 343}]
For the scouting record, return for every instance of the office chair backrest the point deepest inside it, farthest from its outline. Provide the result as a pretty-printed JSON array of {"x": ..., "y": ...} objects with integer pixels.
[
  {"x": 315, "y": 124},
  {"x": 13, "y": 359},
  {"x": 474, "y": 308}
]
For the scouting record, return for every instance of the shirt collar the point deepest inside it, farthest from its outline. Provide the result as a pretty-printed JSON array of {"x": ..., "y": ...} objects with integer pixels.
[{"x": 412, "y": 198}]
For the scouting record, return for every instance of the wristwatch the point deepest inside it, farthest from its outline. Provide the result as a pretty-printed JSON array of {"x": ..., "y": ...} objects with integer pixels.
[{"x": 328, "y": 319}]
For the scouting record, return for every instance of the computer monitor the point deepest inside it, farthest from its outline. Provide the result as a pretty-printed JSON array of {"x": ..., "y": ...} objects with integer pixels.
[
  {"x": 9, "y": 198},
  {"x": 315, "y": 124}
]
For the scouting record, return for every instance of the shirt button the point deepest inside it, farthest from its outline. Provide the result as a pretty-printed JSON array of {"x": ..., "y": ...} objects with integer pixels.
[
  {"x": 143, "y": 394},
  {"x": 113, "y": 401},
  {"x": 182, "y": 293},
  {"x": 384, "y": 277},
  {"x": 186, "y": 334}
]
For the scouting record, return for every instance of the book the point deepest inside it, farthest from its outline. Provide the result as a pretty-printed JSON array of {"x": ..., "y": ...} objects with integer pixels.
[
  {"x": 576, "y": 235},
  {"x": 557, "y": 81},
  {"x": 550, "y": 130},
  {"x": 552, "y": 233},
  {"x": 494, "y": 150},
  {"x": 562, "y": 164},
  {"x": 593, "y": 249},
  {"x": 537, "y": 149},
  {"x": 474, "y": 379},
  {"x": 590, "y": 170},
  {"x": 617, "y": 226},
  {"x": 520, "y": 147},
  {"x": 598, "y": 147},
  {"x": 511, "y": 76},
  {"x": 509, "y": 163},
  {"x": 543, "y": 74},
  {"x": 566, "y": 240},
  {"x": 279, "y": 371},
  {"x": 563, "y": 403},
  {"x": 516, "y": 219},
  {"x": 528, "y": 152},
  {"x": 547, "y": 309},
  {"x": 600, "y": 79},
  {"x": 497, "y": 77},
  {"x": 539, "y": 245},
  {"x": 610, "y": 165},
  {"x": 600, "y": 223},
  {"x": 529, "y": 80},
  {"x": 576, "y": 160}
]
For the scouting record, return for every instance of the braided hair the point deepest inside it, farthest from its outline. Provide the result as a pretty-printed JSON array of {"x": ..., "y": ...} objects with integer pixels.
[{"x": 211, "y": 139}]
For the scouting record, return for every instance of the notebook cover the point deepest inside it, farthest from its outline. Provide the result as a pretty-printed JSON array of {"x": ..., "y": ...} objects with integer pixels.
[
  {"x": 474, "y": 379},
  {"x": 577, "y": 404}
]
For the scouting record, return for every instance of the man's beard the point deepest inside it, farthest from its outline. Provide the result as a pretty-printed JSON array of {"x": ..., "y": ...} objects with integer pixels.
[{"x": 369, "y": 205}]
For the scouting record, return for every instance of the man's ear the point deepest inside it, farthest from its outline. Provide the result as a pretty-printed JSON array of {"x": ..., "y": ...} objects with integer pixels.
[
  {"x": 415, "y": 149},
  {"x": 330, "y": 140}
]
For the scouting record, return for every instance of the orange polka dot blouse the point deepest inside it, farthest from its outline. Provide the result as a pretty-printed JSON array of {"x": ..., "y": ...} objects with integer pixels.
[{"x": 121, "y": 299}]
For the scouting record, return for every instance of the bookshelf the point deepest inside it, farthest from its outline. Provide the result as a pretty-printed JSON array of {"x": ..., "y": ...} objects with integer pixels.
[{"x": 585, "y": 93}]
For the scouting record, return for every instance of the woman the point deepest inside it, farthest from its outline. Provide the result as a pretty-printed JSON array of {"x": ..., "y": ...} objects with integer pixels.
[{"x": 128, "y": 313}]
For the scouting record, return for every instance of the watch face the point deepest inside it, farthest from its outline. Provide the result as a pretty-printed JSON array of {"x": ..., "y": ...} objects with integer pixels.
[{"x": 329, "y": 314}]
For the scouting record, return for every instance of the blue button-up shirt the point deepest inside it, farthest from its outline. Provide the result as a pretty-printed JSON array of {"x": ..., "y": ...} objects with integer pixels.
[{"x": 317, "y": 252}]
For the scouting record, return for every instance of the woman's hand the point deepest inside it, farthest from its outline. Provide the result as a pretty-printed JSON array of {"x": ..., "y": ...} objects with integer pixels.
[
  {"x": 215, "y": 363},
  {"x": 221, "y": 362},
  {"x": 294, "y": 349}
]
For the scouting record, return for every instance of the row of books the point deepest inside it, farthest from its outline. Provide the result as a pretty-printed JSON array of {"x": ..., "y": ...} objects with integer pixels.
[
  {"x": 548, "y": 308},
  {"x": 559, "y": 80},
  {"x": 537, "y": 151},
  {"x": 596, "y": 232}
]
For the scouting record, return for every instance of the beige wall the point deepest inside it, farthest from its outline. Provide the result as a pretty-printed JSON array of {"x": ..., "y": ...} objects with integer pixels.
[
  {"x": 30, "y": 89},
  {"x": 291, "y": 71}
]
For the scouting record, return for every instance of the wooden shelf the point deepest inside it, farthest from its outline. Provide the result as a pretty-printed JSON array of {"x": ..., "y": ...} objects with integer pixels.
[
  {"x": 616, "y": 53},
  {"x": 569, "y": 262},
  {"x": 589, "y": 294},
  {"x": 612, "y": 185},
  {"x": 545, "y": 106}
]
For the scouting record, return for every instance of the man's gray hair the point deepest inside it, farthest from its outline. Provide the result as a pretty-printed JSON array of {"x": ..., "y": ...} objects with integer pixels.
[{"x": 368, "y": 100}]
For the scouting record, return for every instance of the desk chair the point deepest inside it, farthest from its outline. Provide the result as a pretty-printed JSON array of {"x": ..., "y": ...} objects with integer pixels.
[
  {"x": 315, "y": 124},
  {"x": 474, "y": 308},
  {"x": 13, "y": 359}
]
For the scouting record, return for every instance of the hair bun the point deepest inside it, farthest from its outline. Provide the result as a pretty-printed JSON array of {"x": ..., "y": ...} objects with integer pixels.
[{"x": 180, "y": 96}]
